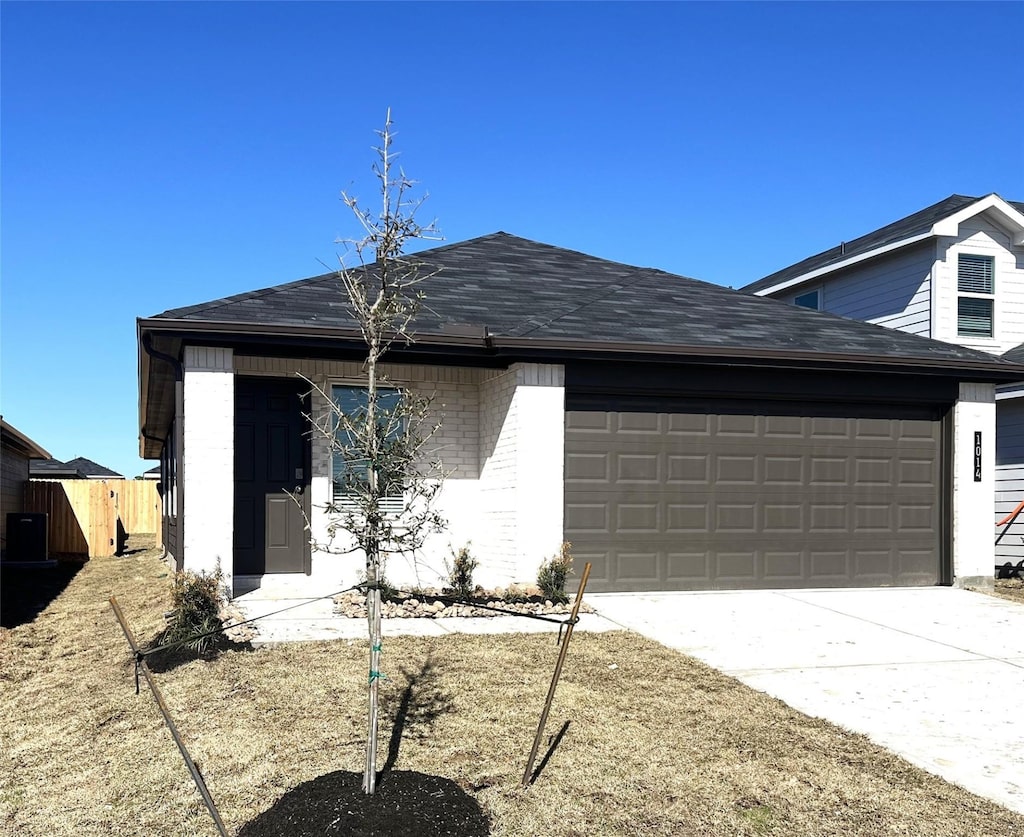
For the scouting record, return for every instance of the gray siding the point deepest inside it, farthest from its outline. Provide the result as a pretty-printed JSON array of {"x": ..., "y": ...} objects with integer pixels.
[
  {"x": 13, "y": 476},
  {"x": 1009, "y": 477},
  {"x": 893, "y": 291}
]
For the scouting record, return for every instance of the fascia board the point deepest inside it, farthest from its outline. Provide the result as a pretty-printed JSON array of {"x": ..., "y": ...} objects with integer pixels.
[
  {"x": 831, "y": 268},
  {"x": 1014, "y": 219}
]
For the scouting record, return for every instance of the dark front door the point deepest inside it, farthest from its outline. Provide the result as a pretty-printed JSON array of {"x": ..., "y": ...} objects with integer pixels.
[{"x": 271, "y": 462}]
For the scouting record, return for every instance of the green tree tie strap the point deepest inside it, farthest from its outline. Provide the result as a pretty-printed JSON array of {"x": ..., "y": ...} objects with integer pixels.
[{"x": 377, "y": 675}]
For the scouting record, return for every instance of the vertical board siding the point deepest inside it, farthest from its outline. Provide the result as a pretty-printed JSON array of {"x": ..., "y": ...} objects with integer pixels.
[{"x": 894, "y": 292}]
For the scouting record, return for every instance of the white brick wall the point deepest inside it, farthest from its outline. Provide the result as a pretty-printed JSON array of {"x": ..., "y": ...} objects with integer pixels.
[
  {"x": 502, "y": 438},
  {"x": 973, "y": 535},
  {"x": 455, "y": 393},
  {"x": 498, "y": 478},
  {"x": 208, "y": 460}
]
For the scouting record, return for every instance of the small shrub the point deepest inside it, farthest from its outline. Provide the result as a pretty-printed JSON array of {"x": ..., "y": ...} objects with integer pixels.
[
  {"x": 514, "y": 594},
  {"x": 460, "y": 572},
  {"x": 196, "y": 599},
  {"x": 552, "y": 575}
]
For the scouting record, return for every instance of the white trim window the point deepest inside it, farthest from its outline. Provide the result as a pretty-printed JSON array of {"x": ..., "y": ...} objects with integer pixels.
[
  {"x": 976, "y": 290},
  {"x": 346, "y": 472}
]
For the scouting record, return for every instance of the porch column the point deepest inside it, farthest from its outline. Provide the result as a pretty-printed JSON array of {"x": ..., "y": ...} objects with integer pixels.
[
  {"x": 974, "y": 486},
  {"x": 208, "y": 460}
]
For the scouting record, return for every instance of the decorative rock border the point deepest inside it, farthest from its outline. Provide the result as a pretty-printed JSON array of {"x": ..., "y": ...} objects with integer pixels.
[{"x": 427, "y": 605}]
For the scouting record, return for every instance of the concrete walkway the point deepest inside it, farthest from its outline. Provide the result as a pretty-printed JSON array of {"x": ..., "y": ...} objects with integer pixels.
[
  {"x": 929, "y": 673},
  {"x": 317, "y": 621}
]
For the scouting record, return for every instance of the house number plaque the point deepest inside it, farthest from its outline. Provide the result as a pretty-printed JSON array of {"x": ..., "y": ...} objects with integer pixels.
[{"x": 977, "y": 456}]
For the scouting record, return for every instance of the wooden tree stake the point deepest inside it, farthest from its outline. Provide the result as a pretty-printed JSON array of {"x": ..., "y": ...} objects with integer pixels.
[{"x": 554, "y": 678}]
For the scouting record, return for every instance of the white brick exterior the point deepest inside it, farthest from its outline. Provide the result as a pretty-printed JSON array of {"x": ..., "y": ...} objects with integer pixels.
[
  {"x": 208, "y": 460},
  {"x": 973, "y": 549},
  {"x": 510, "y": 524}
]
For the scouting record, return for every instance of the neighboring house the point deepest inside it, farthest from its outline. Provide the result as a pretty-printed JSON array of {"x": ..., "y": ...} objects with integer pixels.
[
  {"x": 54, "y": 469},
  {"x": 152, "y": 474},
  {"x": 954, "y": 272},
  {"x": 17, "y": 451},
  {"x": 681, "y": 435},
  {"x": 79, "y": 468}
]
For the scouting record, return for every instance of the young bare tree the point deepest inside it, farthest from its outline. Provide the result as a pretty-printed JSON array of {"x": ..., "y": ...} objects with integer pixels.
[{"x": 385, "y": 480}]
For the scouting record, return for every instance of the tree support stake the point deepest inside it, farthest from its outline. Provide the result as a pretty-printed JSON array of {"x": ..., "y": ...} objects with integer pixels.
[
  {"x": 570, "y": 625},
  {"x": 140, "y": 665}
]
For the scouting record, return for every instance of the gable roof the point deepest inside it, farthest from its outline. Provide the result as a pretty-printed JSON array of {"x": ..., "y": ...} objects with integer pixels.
[
  {"x": 938, "y": 219},
  {"x": 499, "y": 298},
  {"x": 93, "y": 470}
]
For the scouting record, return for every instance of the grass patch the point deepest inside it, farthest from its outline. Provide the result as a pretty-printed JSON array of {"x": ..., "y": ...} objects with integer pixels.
[{"x": 656, "y": 743}]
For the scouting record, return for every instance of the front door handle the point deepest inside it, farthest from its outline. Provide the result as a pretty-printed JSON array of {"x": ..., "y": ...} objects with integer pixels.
[{"x": 298, "y": 489}]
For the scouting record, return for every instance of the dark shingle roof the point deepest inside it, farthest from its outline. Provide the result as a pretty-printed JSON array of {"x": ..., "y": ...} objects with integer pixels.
[
  {"x": 92, "y": 469},
  {"x": 521, "y": 289},
  {"x": 918, "y": 223},
  {"x": 1015, "y": 355},
  {"x": 54, "y": 469},
  {"x": 78, "y": 468}
]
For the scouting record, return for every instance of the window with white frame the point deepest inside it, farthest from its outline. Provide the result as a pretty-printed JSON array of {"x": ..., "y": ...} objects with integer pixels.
[
  {"x": 811, "y": 299},
  {"x": 352, "y": 402},
  {"x": 975, "y": 284}
]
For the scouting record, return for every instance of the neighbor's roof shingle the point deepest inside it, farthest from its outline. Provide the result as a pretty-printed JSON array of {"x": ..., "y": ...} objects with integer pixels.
[
  {"x": 519, "y": 288},
  {"x": 918, "y": 223}
]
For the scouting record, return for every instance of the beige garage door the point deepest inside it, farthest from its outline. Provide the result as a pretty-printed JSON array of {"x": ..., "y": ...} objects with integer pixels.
[{"x": 692, "y": 501}]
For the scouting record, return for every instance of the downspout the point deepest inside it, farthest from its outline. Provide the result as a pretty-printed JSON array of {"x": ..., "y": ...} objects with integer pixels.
[{"x": 179, "y": 414}]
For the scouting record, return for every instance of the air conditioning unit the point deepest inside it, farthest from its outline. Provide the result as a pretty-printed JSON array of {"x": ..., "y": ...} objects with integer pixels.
[{"x": 26, "y": 536}]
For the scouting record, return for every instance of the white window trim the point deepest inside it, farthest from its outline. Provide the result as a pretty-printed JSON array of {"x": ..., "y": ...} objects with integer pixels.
[{"x": 991, "y": 297}]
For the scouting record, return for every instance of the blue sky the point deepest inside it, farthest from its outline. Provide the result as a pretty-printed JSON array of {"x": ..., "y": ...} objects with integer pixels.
[{"x": 156, "y": 155}]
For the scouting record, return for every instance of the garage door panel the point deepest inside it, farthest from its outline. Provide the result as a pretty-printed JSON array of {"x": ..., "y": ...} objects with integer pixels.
[
  {"x": 695, "y": 501},
  {"x": 637, "y": 467}
]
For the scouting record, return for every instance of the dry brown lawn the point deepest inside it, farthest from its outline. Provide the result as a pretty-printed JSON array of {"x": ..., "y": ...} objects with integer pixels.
[
  {"x": 656, "y": 744},
  {"x": 1010, "y": 588}
]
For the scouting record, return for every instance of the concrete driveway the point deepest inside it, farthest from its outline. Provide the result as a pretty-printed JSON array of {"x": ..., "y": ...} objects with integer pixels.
[{"x": 929, "y": 673}]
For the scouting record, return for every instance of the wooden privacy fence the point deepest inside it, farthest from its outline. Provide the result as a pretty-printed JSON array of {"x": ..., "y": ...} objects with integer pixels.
[{"x": 92, "y": 517}]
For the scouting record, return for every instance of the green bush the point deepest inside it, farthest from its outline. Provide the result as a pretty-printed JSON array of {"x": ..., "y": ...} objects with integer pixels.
[
  {"x": 552, "y": 575},
  {"x": 196, "y": 599},
  {"x": 460, "y": 572}
]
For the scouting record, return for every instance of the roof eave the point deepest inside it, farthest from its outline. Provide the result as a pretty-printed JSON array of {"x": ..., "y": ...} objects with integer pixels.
[
  {"x": 1010, "y": 216},
  {"x": 32, "y": 449},
  {"x": 980, "y": 370},
  {"x": 841, "y": 265}
]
